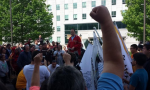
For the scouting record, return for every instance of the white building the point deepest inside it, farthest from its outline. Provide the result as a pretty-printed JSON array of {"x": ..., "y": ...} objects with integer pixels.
[{"x": 70, "y": 14}]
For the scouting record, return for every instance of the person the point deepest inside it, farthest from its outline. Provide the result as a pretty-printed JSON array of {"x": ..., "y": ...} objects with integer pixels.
[
  {"x": 21, "y": 81},
  {"x": 74, "y": 43},
  {"x": 8, "y": 50},
  {"x": 65, "y": 49},
  {"x": 59, "y": 55},
  {"x": 113, "y": 62},
  {"x": 82, "y": 53},
  {"x": 139, "y": 78},
  {"x": 140, "y": 48},
  {"x": 36, "y": 44},
  {"x": 13, "y": 59},
  {"x": 52, "y": 67},
  {"x": 44, "y": 51},
  {"x": 40, "y": 39},
  {"x": 28, "y": 71},
  {"x": 24, "y": 57},
  {"x": 3, "y": 69},
  {"x": 32, "y": 49},
  {"x": 3, "y": 52},
  {"x": 146, "y": 51},
  {"x": 40, "y": 47},
  {"x": 133, "y": 49}
]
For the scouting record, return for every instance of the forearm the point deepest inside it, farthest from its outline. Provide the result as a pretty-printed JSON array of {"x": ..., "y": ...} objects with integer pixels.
[
  {"x": 36, "y": 76},
  {"x": 112, "y": 50}
]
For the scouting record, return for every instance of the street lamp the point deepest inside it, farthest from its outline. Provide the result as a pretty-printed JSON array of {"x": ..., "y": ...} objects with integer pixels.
[{"x": 144, "y": 21}]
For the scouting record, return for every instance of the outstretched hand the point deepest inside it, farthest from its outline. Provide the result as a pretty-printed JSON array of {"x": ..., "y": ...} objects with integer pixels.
[{"x": 100, "y": 14}]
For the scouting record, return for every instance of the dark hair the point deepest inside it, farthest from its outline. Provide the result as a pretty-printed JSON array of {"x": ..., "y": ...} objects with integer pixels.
[
  {"x": 140, "y": 58},
  {"x": 54, "y": 61},
  {"x": 73, "y": 30},
  {"x": 134, "y": 46},
  {"x": 44, "y": 85},
  {"x": 140, "y": 46},
  {"x": 1, "y": 50},
  {"x": 1, "y": 56},
  {"x": 147, "y": 46},
  {"x": 31, "y": 46},
  {"x": 66, "y": 78},
  {"x": 8, "y": 45},
  {"x": 34, "y": 54}
]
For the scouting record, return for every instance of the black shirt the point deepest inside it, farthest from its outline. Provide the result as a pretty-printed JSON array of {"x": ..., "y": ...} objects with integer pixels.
[{"x": 147, "y": 68}]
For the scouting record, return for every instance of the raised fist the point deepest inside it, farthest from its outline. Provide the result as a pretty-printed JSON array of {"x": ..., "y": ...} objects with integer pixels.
[{"x": 100, "y": 14}]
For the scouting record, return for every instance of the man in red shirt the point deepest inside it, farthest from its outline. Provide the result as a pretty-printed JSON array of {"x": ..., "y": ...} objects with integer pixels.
[{"x": 74, "y": 44}]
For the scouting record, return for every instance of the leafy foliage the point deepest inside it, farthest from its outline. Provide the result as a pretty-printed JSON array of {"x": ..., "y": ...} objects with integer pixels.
[
  {"x": 134, "y": 18},
  {"x": 29, "y": 18}
]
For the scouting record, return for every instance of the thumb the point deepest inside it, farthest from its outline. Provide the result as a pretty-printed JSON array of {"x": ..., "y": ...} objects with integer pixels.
[{"x": 93, "y": 14}]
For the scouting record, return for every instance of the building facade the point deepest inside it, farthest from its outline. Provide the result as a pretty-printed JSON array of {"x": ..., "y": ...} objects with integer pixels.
[{"x": 74, "y": 14}]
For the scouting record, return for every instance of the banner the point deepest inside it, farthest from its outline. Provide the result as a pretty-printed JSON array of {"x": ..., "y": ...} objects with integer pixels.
[
  {"x": 125, "y": 54},
  {"x": 86, "y": 67}
]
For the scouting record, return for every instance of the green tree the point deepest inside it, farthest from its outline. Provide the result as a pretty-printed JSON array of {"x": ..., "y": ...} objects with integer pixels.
[
  {"x": 29, "y": 18},
  {"x": 134, "y": 18}
]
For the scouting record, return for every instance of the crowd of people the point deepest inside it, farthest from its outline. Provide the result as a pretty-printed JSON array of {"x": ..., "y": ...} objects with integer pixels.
[{"x": 43, "y": 66}]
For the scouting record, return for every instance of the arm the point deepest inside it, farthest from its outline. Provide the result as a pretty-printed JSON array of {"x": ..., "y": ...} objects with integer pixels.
[
  {"x": 36, "y": 73},
  {"x": 113, "y": 61}
]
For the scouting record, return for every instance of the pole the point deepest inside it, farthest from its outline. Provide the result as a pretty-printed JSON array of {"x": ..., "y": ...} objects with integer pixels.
[
  {"x": 98, "y": 34},
  {"x": 144, "y": 21},
  {"x": 11, "y": 24}
]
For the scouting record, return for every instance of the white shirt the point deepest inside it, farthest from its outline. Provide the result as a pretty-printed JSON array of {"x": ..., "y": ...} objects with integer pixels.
[
  {"x": 50, "y": 67},
  {"x": 28, "y": 71}
]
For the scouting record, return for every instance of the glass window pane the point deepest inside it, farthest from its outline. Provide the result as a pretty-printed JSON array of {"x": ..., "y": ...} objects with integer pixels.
[
  {"x": 93, "y": 3},
  {"x": 66, "y": 17},
  {"x": 66, "y": 6},
  {"x": 58, "y": 28},
  {"x": 113, "y": 13},
  {"x": 103, "y": 2},
  {"x": 75, "y": 16},
  {"x": 74, "y": 5},
  {"x": 50, "y": 39},
  {"x": 49, "y": 8},
  {"x": 83, "y": 16},
  {"x": 58, "y": 39},
  {"x": 123, "y": 1},
  {"x": 113, "y": 2},
  {"x": 58, "y": 17},
  {"x": 57, "y": 7},
  {"x": 83, "y": 4}
]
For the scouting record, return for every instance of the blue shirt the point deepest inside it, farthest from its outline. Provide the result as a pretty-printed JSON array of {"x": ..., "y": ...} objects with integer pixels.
[
  {"x": 109, "y": 81},
  {"x": 139, "y": 79},
  {"x": 72, "y": 37}
]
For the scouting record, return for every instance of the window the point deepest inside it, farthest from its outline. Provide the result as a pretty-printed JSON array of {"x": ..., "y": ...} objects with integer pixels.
[
  {"x": 74, "y": 16},
  {"x": 58, "y": 28},
  {"x": 93, "y": 3},
  {"x": 58, "y": 39},
  {"x": 66, "y": 6},
  {"x": 75, "y": 5},
  {"x": 58, "y": 17},
  {"x": 103, "y": 2},
  {"x": 57, "y": 7},
  {"x": 83, "y": 4},
  {"x": 83, "y": 16},
  {"x": 113, "y": 2},
  {"x": 66, "y": 17},
  {"x": 49, "y": 8},
  {"x": 123, "y": 1},
  {"x": 50, "y": 39},
  {"x": 113, "y": 13}
]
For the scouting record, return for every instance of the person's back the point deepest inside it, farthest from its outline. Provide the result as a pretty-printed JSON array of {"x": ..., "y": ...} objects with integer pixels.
[
  {"x": 28, "y": 71},
  {"x": 139, "y": 79},
  {"x": 21, "y": 81}
]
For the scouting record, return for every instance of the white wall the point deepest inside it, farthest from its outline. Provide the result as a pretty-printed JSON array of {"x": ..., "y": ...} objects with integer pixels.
[{"x": 79, "y": 11}]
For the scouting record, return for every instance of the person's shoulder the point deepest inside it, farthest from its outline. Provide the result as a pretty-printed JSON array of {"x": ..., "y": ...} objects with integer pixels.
[
  {"x": 49, "y": 65},
  {"x": 43, "y": 67},
  {"x": 57, "y": 65}
]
